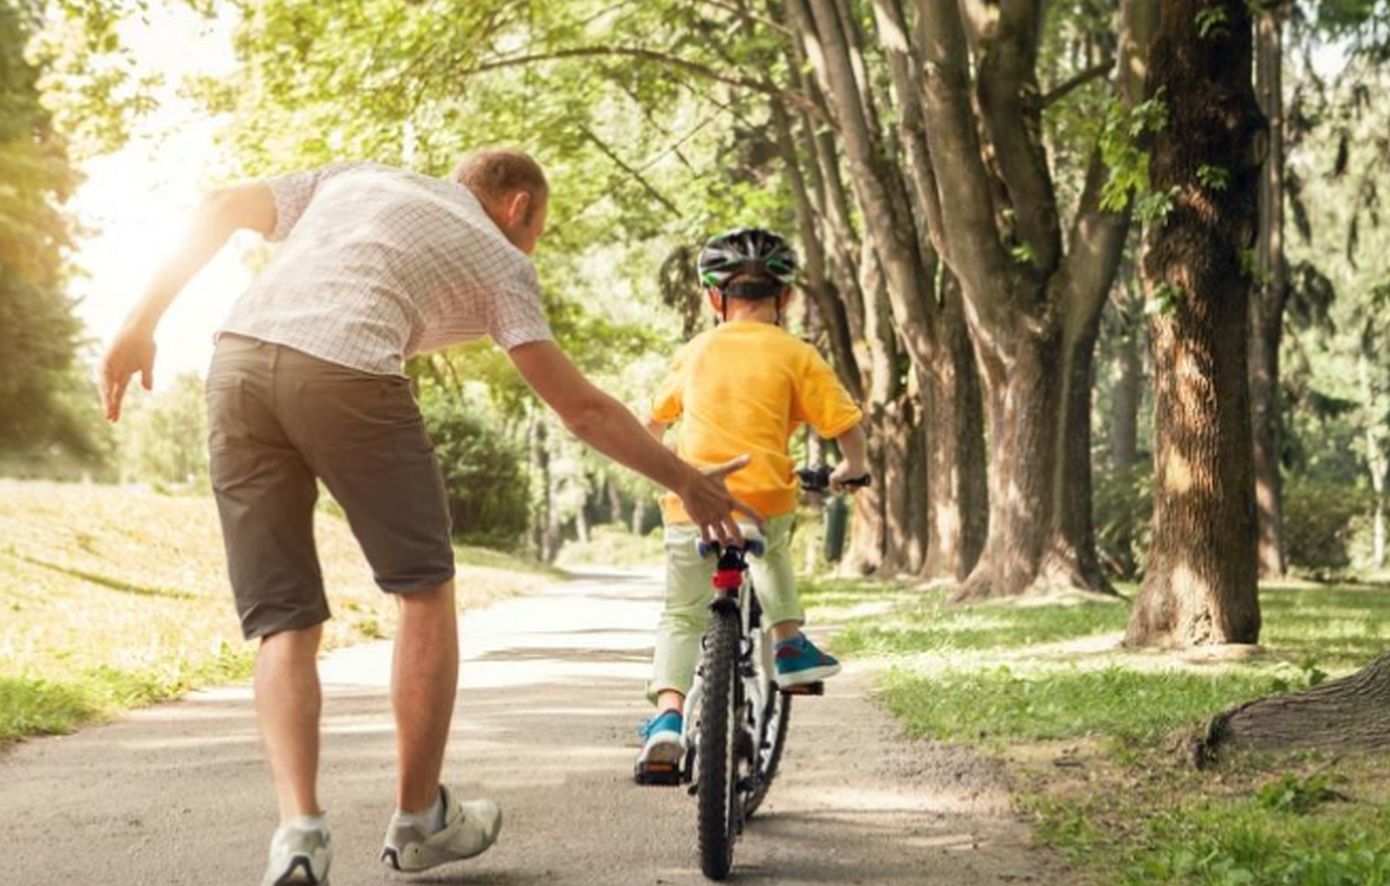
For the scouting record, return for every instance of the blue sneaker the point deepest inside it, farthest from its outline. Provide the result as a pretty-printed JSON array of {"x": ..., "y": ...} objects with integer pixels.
[
  {"x": 663, "y": 747},
  {"x": 799, "y": 662}
]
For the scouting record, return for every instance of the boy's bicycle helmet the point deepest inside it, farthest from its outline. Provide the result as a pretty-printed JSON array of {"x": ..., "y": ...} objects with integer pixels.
[{"x": 759, "y": 255}]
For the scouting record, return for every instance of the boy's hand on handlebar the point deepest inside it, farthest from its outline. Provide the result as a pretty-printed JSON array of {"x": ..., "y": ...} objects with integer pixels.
[
  {"x": 710, "y": 506},
  {"x": 848, "y": 477}
]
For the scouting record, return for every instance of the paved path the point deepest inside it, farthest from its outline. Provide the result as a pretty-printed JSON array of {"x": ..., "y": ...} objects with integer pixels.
[{"x": 551, "y": 695}]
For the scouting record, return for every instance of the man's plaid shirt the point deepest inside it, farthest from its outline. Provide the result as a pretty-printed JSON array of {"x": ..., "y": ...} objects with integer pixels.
[{"x": 379, "y": 264}]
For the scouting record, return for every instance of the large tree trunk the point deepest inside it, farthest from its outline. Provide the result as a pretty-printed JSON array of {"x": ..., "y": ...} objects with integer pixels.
[
  {"x": 1032, "y": 303},
  {"x": 1022, "y": 400},
  {"x": 1200, "y": 581},
  {"x": 1268, "y": 298},
  {"x": 1352, "y": 713},
  {"x": 957, "y": 500},
  {"x": 900, "y": 314}
]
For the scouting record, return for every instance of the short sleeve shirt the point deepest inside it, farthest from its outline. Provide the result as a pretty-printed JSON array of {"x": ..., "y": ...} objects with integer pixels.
[
  {"x": 378, "y": 264},
  {"x": 744, "y": 388}
]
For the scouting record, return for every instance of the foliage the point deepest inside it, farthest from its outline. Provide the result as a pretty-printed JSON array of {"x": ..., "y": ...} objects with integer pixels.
[
  {"x": 1318, "y": 523},
  {"x": 613, "y": 546},
  {"x": 483, "y": 471},
  {"x": 162, "y": 437},
  {"x": 41, "y": 386},
  {"x": 1122, "y": 139},
  {"x": 1123, "y": 508}
]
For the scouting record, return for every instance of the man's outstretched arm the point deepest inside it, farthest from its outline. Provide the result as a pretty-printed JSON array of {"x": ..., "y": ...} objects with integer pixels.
[
  {"x": 608, "y": 426},
  {"x": 217, "y": 217}
]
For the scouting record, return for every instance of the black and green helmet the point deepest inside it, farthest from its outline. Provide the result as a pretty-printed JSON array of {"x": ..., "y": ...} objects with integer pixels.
[{"x": 761, "y": 258}]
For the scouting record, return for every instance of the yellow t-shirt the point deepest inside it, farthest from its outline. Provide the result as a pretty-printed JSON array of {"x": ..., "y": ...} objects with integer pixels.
[{"x": 745, "y": 387}]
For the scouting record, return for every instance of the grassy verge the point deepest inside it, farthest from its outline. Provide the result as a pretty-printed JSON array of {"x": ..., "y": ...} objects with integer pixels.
[
  {"x": 1093, "y": 733},
  {"x": 613, "y": 546},
  {"x": 111, "y": 599}
]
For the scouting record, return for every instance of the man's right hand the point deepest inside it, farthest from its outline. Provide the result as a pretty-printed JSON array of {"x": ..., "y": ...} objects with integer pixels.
[
  {"x": 132, "y": 351},
  {"x": 710, "y": 506}
]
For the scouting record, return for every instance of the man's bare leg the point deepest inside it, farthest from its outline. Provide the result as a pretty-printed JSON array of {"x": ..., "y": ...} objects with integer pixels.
[
  {"x": 288, "y": 702},
  {"x": 424, "y": 681}
]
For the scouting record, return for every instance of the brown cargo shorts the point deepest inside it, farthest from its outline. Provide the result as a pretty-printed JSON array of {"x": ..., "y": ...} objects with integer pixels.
[{"x": 279, "y": 420}]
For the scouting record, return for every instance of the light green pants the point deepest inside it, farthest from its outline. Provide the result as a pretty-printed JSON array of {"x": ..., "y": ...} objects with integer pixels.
[{"x": 689, "y": 593}]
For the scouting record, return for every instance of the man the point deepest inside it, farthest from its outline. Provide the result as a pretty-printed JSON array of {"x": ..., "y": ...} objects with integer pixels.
[{"x": 306, "y": 384}]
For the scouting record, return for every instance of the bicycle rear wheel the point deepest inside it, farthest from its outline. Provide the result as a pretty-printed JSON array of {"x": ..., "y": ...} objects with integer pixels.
[
  {"x": 769, "y": 755},
  {"x": 717, "y": 746}
]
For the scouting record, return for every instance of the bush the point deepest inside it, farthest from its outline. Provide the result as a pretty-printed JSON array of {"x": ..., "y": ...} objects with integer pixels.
[
  {"x": 1318, "y": 523},
  {"x": 484, "y": 472},
  {"x": 162, "y": 437},
  {"x": 1123, "y": 506}
]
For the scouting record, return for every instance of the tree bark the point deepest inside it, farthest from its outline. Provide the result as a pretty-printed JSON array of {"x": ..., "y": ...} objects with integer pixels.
[
  {"x": 1268, "y": 299},
  {"x": 957, "y": 500},
  {"x": 1074, "y": 558},
  {"x": 1374, "y": 438},
  {"x": 1352, "y": 713},
  {"x": 1032, "y": 306},
  {"x": 901, "y": 316},
  {"x": 1125, "y": 395},
  {"x": 1200, "y": 581}
]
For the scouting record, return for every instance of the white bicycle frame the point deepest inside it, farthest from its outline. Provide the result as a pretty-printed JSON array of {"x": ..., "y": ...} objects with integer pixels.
[{"x": 757, "y": 686}]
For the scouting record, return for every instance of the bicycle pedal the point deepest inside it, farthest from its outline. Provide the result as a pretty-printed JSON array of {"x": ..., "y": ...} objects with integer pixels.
[
  {"x": 666, "y": 774},
  {"x": 816, "y": 688}
]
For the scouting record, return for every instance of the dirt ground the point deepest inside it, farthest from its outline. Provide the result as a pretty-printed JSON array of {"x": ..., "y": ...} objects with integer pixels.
[{"x": 551, "y": 697}]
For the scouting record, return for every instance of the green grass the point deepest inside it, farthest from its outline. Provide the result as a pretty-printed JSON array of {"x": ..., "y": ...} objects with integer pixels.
[
  {"x": 1035, "y": 682},
  {"x": 111, "y": 598},
  {"x": 930, "y": 624},
  {"x": 1114, "y": 702}
]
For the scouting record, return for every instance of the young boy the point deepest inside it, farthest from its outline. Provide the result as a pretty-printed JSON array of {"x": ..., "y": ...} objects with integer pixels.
[{"x": 742, "y": 388}]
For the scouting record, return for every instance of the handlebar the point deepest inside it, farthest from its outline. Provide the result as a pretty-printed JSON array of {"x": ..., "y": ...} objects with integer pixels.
[
  {"x": 817, "y": 479},
  {"x": 753, "y": 546}
]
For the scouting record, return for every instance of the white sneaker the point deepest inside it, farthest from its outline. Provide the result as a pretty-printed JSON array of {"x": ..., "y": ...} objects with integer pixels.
[
  {"x": 298, "y": 856},
  {"x": 469, "y": 829}
]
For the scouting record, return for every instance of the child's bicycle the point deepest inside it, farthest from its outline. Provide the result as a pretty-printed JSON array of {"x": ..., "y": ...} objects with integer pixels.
[{"x": 736, "y": 715}]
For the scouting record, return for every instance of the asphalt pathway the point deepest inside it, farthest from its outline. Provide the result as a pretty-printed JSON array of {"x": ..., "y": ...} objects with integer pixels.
[{"x": 550, "y": 699}]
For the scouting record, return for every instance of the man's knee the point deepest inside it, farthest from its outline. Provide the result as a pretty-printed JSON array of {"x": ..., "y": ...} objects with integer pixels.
[{"x": 432, "y": 596}]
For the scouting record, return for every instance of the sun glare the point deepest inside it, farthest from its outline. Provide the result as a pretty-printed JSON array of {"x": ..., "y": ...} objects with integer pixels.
[{"x": 137, "y": 200}]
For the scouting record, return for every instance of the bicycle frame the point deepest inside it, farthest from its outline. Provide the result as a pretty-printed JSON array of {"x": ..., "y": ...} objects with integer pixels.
[{"x": 734, "y": 588}]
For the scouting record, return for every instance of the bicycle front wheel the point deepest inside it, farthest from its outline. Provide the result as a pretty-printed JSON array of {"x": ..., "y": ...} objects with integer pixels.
[{"x": 717, "y": 747}]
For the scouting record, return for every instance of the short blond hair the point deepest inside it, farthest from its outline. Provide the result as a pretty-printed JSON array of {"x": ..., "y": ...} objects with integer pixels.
[{"x": 493, "y": 173}]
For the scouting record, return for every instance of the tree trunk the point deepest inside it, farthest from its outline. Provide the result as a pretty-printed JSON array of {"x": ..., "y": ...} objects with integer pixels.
[
  {"x": 957, "y": 499},
  {"x": 547, "y": 532},
  {"x": 639, "y": 515},
  {"x": 1267, "y": 300},
  {"x": 1352, "y": 713},
  {"x": 1125, "y": 395},
  {"x": 1072, "y": 558},
  {"x": 1022, "y": 398},
  {"x": 1200, "y": 581},
  {"x": 1377, "y": 461}
]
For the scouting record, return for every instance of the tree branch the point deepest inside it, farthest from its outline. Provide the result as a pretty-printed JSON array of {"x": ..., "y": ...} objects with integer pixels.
[
  {"x": 1097, "y": 239},
  {"x": 1007, "y": 90},
  {"x": 653, "y": 56},
  {"x": 1075, "y": 82},
  {"x": 625, "y": 167},
  {"x": 967, "y": 213}
]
